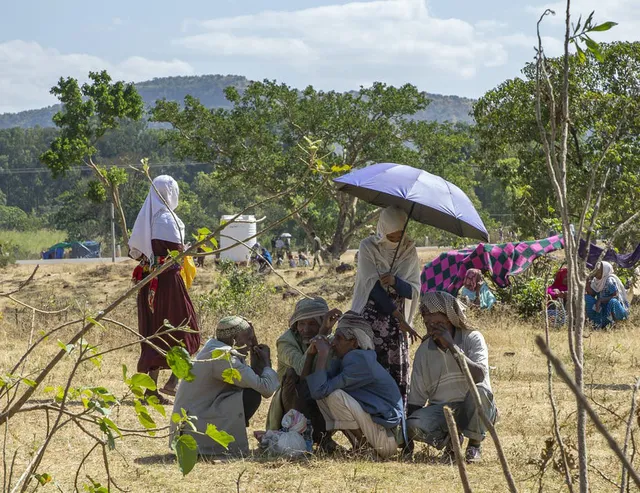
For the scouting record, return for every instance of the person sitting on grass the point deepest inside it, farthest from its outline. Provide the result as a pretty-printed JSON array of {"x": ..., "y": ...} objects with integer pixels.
[
  {"x": 355, "y": 393},
  {"x": 438, "y": 380},
  {"x": 227, "y": 406},
  {"x": 606, "y": 297},
  {"x": 311, "y": 318},
  {"x": 476, "y": 291}
]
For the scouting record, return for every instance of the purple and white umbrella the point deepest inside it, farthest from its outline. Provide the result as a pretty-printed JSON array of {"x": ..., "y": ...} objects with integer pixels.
[{"x": 428, "y": 199}]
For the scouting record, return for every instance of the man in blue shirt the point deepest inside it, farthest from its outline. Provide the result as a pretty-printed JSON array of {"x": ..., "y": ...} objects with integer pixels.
[{"x": 356, "y": 395}]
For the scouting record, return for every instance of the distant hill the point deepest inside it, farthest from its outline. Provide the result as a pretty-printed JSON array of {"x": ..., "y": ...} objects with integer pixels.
[{"x": 210, "y": 90}]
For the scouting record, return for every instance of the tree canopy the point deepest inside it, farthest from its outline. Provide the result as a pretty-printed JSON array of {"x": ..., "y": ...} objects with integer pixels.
[{"x": 605, "y": 109}]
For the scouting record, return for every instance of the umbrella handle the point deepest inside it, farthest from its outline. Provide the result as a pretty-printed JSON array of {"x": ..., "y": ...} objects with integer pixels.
[{"x": 395, "y": 255}]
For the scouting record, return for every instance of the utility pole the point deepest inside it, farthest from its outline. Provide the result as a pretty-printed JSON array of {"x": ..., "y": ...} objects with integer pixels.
[{"x": 113, "y": 234}]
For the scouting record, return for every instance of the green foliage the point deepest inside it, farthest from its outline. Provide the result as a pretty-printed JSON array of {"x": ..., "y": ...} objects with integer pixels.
[
  {"x": 7, "y": 255},
  {"x": 605, "y": 103},
  {"x": 528, "y": 296},
  {"x": 186, "y": 450},
  {"x": 16, "y": 219},
  {"x": 210, "y": 90},
  {"x": 293, "y": 138},
  {"x": 180, "y": 363},
  {"x": 88, "y": 112},
  {"x": 238, "y": 290}
]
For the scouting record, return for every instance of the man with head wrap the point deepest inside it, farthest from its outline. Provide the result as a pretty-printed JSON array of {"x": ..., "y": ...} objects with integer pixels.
[
  {"x": 213, "y": 400},
  {"x": 311, "y": 318},
  {"x": 355, "y": 393},
  {"x": 438, "y": 379}
]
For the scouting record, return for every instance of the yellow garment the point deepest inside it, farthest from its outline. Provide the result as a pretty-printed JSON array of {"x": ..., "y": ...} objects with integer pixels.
[{"x": 188, "y": 271}]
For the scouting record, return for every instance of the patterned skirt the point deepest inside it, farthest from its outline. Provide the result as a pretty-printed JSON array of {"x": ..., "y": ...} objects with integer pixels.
[{"x": 392, "y": 347}]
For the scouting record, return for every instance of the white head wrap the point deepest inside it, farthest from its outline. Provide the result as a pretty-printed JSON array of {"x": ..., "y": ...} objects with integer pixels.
[
  {"x": 354, "y": 326},
  {"x": 443, "y": 302},
  {"x": 374, "y": 259},
  {"x": 156, "y": 221},
  {"x": 607, "y": 272}
]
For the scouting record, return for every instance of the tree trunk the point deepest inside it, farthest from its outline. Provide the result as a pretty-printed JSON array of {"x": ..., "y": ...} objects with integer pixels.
[{"x": 115, "y": 197}]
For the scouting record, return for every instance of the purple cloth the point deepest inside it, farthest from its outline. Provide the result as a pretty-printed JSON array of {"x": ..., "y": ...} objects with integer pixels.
[{"x": 624, "y": 260}]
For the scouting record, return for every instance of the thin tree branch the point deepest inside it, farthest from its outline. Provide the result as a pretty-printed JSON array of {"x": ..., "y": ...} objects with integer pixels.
[
  {"x": 457, "y": 450},
  {"x": 562, "y": 373},
  {"x": 462, "y": 363},
  {"x": 554, "y": 409},
  {"x": 627, "y": 437}
]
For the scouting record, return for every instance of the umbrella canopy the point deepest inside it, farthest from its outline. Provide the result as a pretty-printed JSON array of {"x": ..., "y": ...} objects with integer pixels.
[{"x": 429, "y": 199}]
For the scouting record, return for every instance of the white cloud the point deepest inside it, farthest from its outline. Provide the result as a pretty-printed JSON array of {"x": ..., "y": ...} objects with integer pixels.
[
  {"x": 625, "y": 12},
  {"x": 341, "y": 45},
  {"x": 28, "y": 71}
]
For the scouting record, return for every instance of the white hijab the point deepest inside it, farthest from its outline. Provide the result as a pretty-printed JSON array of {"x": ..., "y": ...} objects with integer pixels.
[
  {"x": 375, "y": 257},
  {"x": 607, "y": 272},
  {"x": 156, "y": 221}
]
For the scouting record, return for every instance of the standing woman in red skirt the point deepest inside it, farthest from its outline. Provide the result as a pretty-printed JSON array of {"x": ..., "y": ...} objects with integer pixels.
[{"x": 156, "y": 232}]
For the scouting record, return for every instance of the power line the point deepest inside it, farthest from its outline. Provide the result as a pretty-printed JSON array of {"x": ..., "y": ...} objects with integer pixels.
[{"x": 27, "y": 171}]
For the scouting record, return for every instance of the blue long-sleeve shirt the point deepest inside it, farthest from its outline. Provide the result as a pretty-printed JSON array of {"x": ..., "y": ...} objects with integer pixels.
[
  {"x": 361, "y": 376},
  {"x": 381, "y": 297}
]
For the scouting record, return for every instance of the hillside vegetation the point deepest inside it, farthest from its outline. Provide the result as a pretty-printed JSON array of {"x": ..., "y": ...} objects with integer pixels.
[{"x": 209, "y": 89}]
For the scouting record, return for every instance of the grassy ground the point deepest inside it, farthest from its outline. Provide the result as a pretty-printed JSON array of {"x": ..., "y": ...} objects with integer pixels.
[
  {"x": 518, "y": 374},
  {"x": 29, "y": 244}
]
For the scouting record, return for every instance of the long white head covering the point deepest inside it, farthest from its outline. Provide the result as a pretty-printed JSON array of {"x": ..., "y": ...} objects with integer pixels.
[
  {"x": 155, "y": 220},
  {"x": 607, "y": 273},
  {"x": 375, "y": 257}
]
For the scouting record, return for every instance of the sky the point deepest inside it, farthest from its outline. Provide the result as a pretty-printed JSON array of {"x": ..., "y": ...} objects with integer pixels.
[{"x": 460, "y": 47}]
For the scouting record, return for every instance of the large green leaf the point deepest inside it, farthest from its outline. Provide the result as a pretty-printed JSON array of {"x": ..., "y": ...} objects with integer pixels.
[
  {"x": 180, "y": 363},
  {"x": 143, "y": 380},
  {"x": 154, "y": 402},
  {"x": 219, "y": 436},
  {"x": 145, "y": 418},
  {"x": 605, "y": 26},
  {"x": 186, "y": 450}
]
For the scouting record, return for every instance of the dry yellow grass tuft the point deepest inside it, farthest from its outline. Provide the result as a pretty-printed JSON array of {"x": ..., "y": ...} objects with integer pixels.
[{"x": 518, "y": 376}]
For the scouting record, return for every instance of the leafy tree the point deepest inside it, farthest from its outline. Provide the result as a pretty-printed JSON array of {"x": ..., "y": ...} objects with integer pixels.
[
  {"x": 88, "y": 113},
  {"x": 605, "y": 120},
  {"x": 259, "y": 140}
]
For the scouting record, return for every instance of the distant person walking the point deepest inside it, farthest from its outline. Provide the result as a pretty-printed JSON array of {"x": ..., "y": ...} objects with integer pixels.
[
  {"x": 317, "y": 250},
  {"x": 158, "y": 230}
]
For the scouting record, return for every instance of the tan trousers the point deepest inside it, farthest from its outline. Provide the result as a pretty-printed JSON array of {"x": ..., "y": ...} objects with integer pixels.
[{"x": 343, "y": 412}]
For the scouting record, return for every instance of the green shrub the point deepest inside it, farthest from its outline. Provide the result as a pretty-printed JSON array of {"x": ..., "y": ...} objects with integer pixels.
[
  {"x": 528, "y": 296},
  {"x": 238, "y": 291},
  {"x": 7, "y": 255}
]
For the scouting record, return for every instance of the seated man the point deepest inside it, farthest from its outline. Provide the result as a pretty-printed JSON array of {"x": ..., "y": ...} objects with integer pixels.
[
  {"x": 357, "y": 395},
  {"x": 438, "y": 379},
  {"x": 310, "y": 319},
  {"x": 212, "y": 400}
]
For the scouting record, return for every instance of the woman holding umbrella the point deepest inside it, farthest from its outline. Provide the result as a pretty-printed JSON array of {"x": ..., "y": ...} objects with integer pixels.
[{"x": 387, "y": 293}]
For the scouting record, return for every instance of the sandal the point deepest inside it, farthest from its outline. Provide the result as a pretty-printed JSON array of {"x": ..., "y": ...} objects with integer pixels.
[{"x": 166, "y": 391}]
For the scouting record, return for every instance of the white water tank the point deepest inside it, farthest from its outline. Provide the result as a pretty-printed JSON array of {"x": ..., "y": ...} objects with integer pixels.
[{"x": 242, "y": 228}]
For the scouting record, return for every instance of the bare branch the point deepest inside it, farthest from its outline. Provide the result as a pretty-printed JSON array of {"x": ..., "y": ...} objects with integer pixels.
[
  {"x": 562, "y": 373},
  {"x": 457, "y": 450},
  {"x": 627, "y": 437},
  {"x": 554, "y": 409},
  {"x": 462, "y": 363}
]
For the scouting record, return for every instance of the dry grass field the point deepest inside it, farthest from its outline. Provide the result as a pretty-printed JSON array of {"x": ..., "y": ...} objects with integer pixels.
[{"x": 518, "y": 374}]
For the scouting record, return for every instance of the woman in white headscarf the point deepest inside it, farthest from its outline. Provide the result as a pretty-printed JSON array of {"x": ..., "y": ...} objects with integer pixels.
[
  {"x": 156, "y": 232},
  {"x": 386, "y": 296},
  {"x": 606, "y": 297}
]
